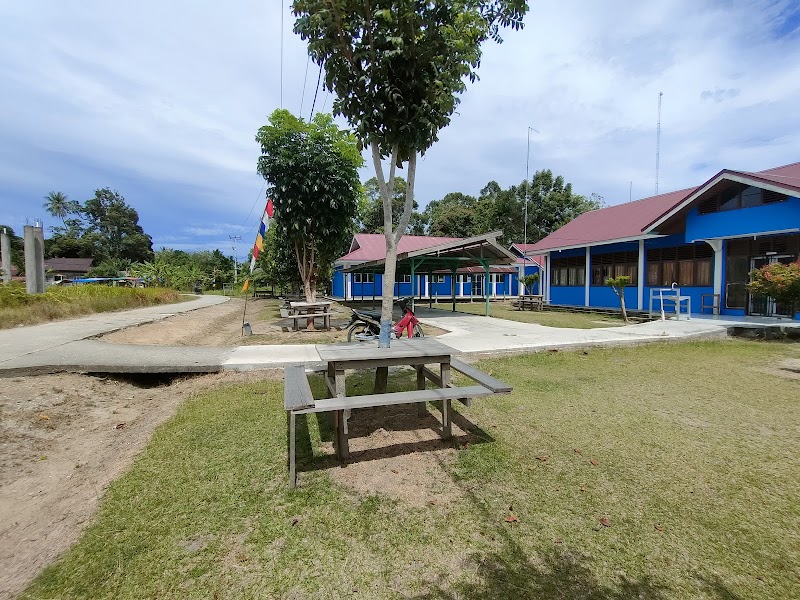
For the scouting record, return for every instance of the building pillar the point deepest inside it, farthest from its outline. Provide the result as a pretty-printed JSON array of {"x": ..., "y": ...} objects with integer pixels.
[
  {"x": 461, "y": 285},
  {"x": 546, "y": 278},
  {"x": 640, "y": 277},
  {"x": 427, "y": 286},
  {"x": 494, "y": 286},
  {"x": 348, "y": 286},
  {"x": 34, "y": 259},
  {"x": 587, "y": 276},
  {"x": 717, "y": 246},
  {"x": 5, "y": 251}
]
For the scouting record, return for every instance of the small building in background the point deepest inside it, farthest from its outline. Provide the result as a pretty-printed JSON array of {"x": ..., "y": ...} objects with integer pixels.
[
  {"x": 469, "y": 281},
  {"x": 66, "y": 269}
]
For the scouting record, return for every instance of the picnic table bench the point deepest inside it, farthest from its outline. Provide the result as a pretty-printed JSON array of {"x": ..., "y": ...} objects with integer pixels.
[
  {"x": 338, "y": 358},
  {"x": 532, "y": 301},
  {"x": 298, "y": 311}
]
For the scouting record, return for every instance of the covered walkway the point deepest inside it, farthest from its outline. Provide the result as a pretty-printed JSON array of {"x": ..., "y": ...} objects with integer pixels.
[{"x": 476, "y": 254}]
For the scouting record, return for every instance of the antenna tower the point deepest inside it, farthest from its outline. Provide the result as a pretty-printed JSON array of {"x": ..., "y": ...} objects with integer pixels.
[{"x": 658, "y": 138}]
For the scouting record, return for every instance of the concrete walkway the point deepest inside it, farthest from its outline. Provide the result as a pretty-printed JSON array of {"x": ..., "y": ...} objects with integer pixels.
[{"x": 69, "y": 345}]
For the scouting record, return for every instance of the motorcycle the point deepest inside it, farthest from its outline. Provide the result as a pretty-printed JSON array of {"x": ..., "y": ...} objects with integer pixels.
[{"x": 364, "y": 325}]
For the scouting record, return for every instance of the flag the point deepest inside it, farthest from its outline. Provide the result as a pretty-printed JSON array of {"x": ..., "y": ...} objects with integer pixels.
[{"x": 269, "y": 210}]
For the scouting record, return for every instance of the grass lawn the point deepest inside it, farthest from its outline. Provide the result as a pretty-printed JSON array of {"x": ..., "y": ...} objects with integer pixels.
[
  {"x": 696, "y": 448},
  {"x": 17, "y": 307},
  {"x": 542, "y": 317}
]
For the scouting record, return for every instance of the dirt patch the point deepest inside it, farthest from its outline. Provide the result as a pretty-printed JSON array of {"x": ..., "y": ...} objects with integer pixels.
[
  {"x": 398, "y": 454},
  {"x": 63, "y": 439}
]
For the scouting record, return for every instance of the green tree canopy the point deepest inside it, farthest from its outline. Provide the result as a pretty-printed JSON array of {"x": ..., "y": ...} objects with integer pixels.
[
  {"x": 312, "y": 173},
  {"x": 397, "y": 67},
  {"x": 104, "y": 228},
  {"x": 455, "y": 215}
]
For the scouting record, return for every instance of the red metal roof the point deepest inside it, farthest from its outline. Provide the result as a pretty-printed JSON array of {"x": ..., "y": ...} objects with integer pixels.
[
  {"x": 372, "y": 246},
  {"x": 612, "y": 223},
  {"x": 786, "y": 176}
]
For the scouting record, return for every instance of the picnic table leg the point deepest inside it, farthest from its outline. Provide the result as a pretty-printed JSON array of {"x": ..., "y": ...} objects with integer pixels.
[
  {"x": 447, "y": 425},
  {"x": 422, "y": 407},
  {"x": 292, "y": 449},
  {"x": 381, "y": 379},
  {"x": 343, "y": 449}
]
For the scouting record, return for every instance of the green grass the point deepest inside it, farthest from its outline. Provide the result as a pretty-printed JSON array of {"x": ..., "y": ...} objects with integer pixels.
[
  {"x": 698, "y": 438},
  {"x": 544, "y": 317},
  {"x": 17, "y": 307}
]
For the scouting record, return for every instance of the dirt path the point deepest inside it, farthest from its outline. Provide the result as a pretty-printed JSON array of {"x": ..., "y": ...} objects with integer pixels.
[{"x": 64, "y": 438}]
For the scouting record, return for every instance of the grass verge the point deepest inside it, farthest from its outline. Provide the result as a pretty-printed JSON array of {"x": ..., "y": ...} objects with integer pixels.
[
  {"x": 687, "y": 452},
  {"x": 502, "y": 310},
  {"x": 17, "y": 307}
]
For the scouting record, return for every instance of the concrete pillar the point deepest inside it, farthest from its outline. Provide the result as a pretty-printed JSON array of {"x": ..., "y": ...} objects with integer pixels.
[
  {"x": 547, "y": 278},
  {"x": 5, "y": 251},
  {"x": 640, "y": 277},
  {"x": 718, "y": 256},
  {"x": 34, "y": 259},
  {"x": 587, "y": 276}
]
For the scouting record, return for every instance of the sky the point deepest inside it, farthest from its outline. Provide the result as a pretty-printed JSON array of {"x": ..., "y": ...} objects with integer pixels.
[{"x": 162, "y": 100}]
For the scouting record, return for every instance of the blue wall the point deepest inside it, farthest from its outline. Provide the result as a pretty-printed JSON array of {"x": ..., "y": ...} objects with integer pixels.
[{"x": 743, "y": 221}]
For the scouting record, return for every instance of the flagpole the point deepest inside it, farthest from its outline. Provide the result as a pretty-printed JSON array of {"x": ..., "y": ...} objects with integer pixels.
[{"x": 257, "y": 246}]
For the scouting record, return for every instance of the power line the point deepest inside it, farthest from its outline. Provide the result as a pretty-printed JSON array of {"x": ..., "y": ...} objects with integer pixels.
[
  {"x": 325, "y": 100},
  {"x": 303, "y": 97},
  {"x": 319, "y": 78},
  {"x": 658, "y": 139},
  {"x": 234, "y": 239},
  {"x": 252, "y": 208}
]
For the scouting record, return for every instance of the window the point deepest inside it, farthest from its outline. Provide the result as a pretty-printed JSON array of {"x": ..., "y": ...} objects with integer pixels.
[
  {"x": 615, "y": 264},
  {"x": 684, "y": 265},
  {"x": 363, "y": 278},
  {"x": 437, "y": 278},
  {"x": 568, "y": 271},
  {"x": 739, "y": 196},
  {"x": 404, "y": 278}
]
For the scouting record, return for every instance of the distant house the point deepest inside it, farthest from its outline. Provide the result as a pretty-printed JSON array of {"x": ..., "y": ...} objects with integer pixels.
[
  {"x": 469, "y": 282},
  {"x": 59, "y": 269},
  {"x": 704, "y": 240}
]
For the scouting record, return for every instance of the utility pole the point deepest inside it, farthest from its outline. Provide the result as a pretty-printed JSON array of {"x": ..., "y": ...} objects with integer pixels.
[
  {"x": 527, "y": 181},
  {"x": 234, "y": 239},
  {"x": 658, "y": 139}
]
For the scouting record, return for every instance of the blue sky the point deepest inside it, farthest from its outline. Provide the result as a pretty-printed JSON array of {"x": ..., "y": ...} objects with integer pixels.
[{"x": 161, "y": 101}]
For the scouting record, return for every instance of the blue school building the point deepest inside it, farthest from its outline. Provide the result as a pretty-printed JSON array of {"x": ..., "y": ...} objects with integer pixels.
[
  {"x": 701, "y": 241},
  {"x": 467, "y": 282}
]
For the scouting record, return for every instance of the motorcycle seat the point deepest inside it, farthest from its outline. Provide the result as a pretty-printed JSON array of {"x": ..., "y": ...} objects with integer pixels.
[{"x": 375, "y": 316}]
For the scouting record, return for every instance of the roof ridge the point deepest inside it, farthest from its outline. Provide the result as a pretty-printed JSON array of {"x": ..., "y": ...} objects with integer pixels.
[{"x": 773, "y": 168}]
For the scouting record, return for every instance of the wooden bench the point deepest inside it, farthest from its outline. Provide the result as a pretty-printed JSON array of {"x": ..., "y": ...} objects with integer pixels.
[
  {"x": 326, "y": 318},
  {"x": 298, "y": 400},
  {"x": 530, "y": 301}
]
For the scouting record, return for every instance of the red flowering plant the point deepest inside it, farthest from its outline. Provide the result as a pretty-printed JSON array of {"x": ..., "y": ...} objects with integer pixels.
[{"x": 780, "y": 281}]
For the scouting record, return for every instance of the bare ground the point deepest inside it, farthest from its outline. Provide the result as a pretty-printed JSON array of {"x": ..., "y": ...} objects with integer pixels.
[{"x": 65, "y": 437}]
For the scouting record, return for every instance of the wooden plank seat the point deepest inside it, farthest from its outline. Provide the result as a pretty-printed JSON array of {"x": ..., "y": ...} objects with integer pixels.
[
  {"x": 298, "y": 399},
  {"x": 486, "y": 380},
  {"x": 393, "y": 398},
  {"x": 296, "y": 395}
]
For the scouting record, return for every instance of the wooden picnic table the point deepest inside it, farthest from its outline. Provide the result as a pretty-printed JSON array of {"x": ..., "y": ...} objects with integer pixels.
[
  {"x": 337, "y": 359},
  {"x": 530, "y": 301},
  {"x": 310, "y": 310}
]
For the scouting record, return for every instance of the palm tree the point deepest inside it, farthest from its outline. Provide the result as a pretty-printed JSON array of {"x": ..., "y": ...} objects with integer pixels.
[{"x": 58, "y": 205}]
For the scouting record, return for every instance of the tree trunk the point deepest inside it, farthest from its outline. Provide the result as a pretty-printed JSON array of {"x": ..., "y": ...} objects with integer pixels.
[{"x": 622, "y": 304}]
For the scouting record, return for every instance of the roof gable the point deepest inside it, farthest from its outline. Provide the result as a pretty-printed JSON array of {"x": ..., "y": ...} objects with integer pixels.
[
  {"x": 72, "y": 265},
  {"x": 372, "y": 246}
]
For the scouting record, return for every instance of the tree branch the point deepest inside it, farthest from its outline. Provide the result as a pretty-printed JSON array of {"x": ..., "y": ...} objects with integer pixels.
[{"x": 406, "y": 216}]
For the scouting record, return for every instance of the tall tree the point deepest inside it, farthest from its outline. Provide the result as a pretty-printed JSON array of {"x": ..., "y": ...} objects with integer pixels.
[
  {"x": 455, "y": 215},
  {"x": 552, "y": 204},
  {"x": 114, "y": 227},
  {"x": 59, "y": 205},
  {"x": 397, "y": 67},
  {"x": 312, "y": 175}
]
